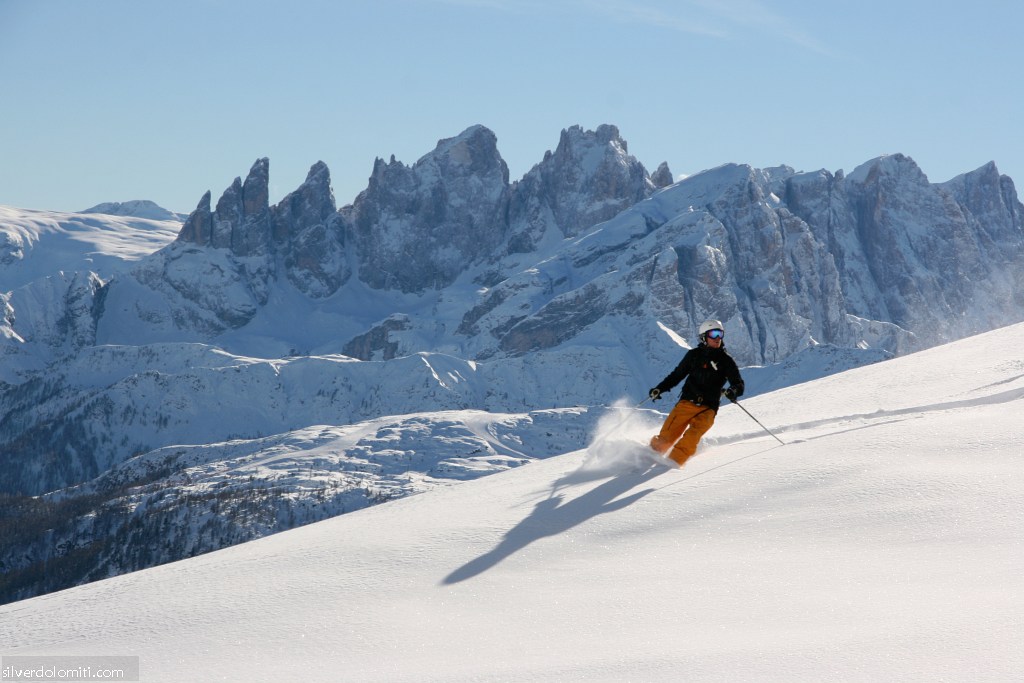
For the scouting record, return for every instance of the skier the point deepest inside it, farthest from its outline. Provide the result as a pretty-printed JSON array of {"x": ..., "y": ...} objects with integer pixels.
[{"x": 706, "y": 370}]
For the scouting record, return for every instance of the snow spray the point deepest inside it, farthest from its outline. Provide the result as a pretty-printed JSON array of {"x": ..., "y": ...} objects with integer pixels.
[{"x": 620, "y": 438}]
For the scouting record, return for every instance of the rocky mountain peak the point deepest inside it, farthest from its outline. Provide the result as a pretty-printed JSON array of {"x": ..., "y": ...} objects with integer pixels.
[
  {"x": 199, "y": 224},
  {"x": 575, "y": 139},
  {"x": 474, "y": 152},
  {"x": 991, "y": 205},
  {"x": 888, "y": 168},
  {"x": 663, "y": 176},
  {"x": 589, "y": 150},
  {"x": 312, "y": 203},
  {"x": 756, "y": 246},
  {"x": 241, "y": 221},
  {"x": 979, "y": 182},
  {"x": 256, "y": 190},
  {"x": 309, "y": 231},
  {"x": 588, "y": 179},
  {"x": 418, "y": 227}
]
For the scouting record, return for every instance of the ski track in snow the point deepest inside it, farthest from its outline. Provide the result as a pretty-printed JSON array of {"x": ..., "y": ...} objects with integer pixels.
[{"x": 867, "y": 420}]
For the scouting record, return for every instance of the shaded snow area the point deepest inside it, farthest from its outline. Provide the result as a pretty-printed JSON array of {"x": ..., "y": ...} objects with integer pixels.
[{"x": 881, "y": 543}]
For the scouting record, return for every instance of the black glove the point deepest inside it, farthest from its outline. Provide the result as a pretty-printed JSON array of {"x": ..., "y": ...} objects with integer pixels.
[
  {"x": 654, "y": 394},
  {"x": 730, "y": 394}
]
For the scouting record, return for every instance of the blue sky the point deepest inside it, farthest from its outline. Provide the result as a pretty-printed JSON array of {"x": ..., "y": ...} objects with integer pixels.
[{"x": 112, "y": 100}]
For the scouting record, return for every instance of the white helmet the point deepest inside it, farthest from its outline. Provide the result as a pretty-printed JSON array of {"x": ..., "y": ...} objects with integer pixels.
[{"x": 709, "y": 325}]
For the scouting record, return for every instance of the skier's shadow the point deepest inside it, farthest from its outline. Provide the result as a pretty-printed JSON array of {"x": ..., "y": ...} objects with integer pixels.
[{"x": 553, "y": 515}]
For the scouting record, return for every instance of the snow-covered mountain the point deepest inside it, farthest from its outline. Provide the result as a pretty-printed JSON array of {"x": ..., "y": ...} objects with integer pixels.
[
  {"x": 140, "y": 208},
  {"x": 881, "y": 543},
  {"x": 37, "y": 244},
  {"x": 263, "y": 333}
]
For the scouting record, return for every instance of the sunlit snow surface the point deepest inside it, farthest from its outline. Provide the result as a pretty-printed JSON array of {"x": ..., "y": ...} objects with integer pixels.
[
  {"x": 883, "y": 542},
  {"x": 37, "y": 244}
]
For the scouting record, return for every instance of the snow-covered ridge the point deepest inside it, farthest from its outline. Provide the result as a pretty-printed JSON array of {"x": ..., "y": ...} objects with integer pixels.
[
  {"x": 36, "y": 244},
  {"x": 139, "y": 208},
  {"x": 880, "y": 543}
]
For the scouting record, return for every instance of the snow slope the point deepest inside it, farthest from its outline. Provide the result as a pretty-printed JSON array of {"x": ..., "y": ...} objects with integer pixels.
[
  {"x": 882, "y": 543},
  {"x": 36, "y": 244}
]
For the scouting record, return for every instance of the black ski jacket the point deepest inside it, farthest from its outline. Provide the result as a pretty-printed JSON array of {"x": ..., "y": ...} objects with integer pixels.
[{"x": 706, "y": 371}]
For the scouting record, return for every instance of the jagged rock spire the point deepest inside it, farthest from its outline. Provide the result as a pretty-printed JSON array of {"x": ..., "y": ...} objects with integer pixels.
[
  {"x": 418, "y": 227},
  {"x": 663, "y": 176}
]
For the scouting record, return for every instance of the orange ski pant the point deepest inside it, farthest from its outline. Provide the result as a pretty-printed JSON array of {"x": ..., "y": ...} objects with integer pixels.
[{"x": 689, "y": 421}]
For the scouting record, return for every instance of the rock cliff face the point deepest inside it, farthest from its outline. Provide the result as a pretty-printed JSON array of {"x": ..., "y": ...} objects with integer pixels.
[
  {"x": 219, "y": 270},
  {"x": 417, "y": 228},
  {"x": 994, "y": 216},
  {"x": 310, "y": 231},
  {"x": 226, "y": 262},
  {"x": 662, "y": 177},
  {"x": 241, "y": 222},
  {"x": 303, "y": 231},
  {"x": 60, "y": 311},
  {"x": 880, "y": 257},
  {"x": 589, "y": 178},
  {"x": 913, "y": 253}
]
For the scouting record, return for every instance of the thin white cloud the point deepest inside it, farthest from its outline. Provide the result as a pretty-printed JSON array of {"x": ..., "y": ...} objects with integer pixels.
[
  {"x": 710, "y": 18},
  {"x": 642, "y": 13},
  {"x": 509, "y": 6},
  {"x": 757, "y": 15},
  {"x": 616, "y": 10}
]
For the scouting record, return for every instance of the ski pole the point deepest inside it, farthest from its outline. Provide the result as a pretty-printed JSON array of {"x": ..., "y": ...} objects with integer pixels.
[
  {"x": 755, "y": 419},
  {"x": 616, "y": 427}
]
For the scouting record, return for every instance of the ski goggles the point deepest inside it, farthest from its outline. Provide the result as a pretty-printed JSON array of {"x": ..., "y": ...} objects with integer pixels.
[{"x": 715, "y": 334}]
